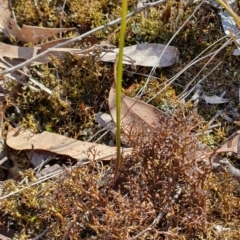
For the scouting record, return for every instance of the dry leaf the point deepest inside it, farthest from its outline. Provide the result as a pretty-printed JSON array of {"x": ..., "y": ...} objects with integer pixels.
[
  {"x": 50, "y": 44},
  {"x": 135, "y": 114},
  {"x": 5, "y": 15},
  {"x": 232, "y": 144},
  {"x": 14, "y": 55},
  {"x": 12, "y": 51},
  {"x": 7, "y": 233},
  {"x": 229, "y": 24},
  {"x": 28, "y": 33},
  {"x": 49, "y": 170},
  {"x": 145, "y": 55},
  {"x": 214, "y": 99},
  {"x": 23, "y": 139},
  {"x": 32, "y": 34},
  {"x": 37, "y": 157}
]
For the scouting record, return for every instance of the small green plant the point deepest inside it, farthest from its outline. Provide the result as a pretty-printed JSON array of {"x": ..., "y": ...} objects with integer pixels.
[
  {"x": 119, "y": 86},
  {"x": 81, "y": 204}
]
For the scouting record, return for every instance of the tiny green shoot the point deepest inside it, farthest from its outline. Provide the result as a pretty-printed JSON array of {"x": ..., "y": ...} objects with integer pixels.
[{"x": 119, "y": 86}]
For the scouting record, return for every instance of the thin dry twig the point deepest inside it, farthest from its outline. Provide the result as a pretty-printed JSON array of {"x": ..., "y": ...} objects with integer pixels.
[
  {"x": 40, "y": 85},
  {"x": 186, "y": 94},
  {"x": 233, "y": 171},
  {"x": 41, "y": 235},
  {"x": 3, "y": 160},
  {"x": 11, "y": 9},
  {"x": 229, "y": 41}
]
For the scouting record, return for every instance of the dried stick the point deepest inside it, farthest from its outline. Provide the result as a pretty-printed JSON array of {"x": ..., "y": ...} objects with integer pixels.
[
  {"x": 114, "y": 22},
  {"x": 235, "y": 172},
  {"x": 42, "y": 234},
  {"x": 211, "y": 58}
]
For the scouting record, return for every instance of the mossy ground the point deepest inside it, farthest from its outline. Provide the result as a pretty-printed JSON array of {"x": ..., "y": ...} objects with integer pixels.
[{"x": 83, "y": 204}]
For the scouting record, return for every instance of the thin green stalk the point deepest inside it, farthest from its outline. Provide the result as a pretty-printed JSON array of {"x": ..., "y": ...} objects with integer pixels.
[
  {"x": 225, "y": 5},
  {"x": 119, "y": 86}
]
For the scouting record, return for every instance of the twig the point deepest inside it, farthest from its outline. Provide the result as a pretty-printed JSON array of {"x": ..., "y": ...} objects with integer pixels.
[
  {"x": 41, "y": 235},
  {"x": 160, "y": 215},
  {"x": 185, "y": 95},
  {"x": 3, "y": 160},
  {"x": 11, "y": 9},
  {"x": 235, "y": 172},
  {"x": 194, "y": 61},
  {"x": 215, "y": 117},
  {"x": 114, "y": 22},
  {"x": 41, "y": 86},
  {"x": 215, "y": 53},
  {"x": 171, "y": 80}
]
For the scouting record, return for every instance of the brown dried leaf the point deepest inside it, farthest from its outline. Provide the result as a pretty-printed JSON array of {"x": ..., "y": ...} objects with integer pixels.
[
  {"x": 50, "y": 44},
  {"x": 232, "y": 144},
  {"x": 49, "y": 170},
  {"x": 5, "y": 15},
  {"x": 6, "y": 233},
  {"x": 12, "y": 51},
  {"x": 145, "y": 55},
  {"x": 32, "y": 34},
  {"x": 135, "y": 114},
  {"x": 23, "y": 139},
  {"x": 14, "y": 55},
  {"x": 28, "y": 33}
]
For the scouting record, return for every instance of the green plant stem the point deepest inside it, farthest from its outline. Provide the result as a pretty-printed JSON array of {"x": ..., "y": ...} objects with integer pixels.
[
  {"x": 119, "y": 86},
  {"x": 230, "y": 11}
]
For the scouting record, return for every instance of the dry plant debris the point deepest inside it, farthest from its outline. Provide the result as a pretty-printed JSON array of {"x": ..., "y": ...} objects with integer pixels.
[
  {"x": 167, "y": 187},
  {"x": 136, "y": 55}
]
